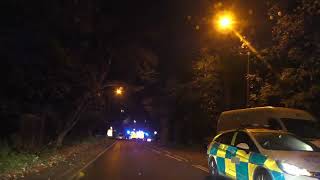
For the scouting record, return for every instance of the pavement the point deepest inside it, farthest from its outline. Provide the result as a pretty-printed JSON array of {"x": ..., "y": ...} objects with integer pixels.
[
  {"x": 138, "y": 160},
  {"x": 67, "y": 161}
]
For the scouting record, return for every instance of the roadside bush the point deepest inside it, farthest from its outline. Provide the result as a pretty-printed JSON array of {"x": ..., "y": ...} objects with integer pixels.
[{"x": 10, "y": 159}]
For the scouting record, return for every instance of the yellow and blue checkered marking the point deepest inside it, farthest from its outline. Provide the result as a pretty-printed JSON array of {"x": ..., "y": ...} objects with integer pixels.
[
  {"x": 242, "y": 171},
  {"x": 246, "y": 164}
]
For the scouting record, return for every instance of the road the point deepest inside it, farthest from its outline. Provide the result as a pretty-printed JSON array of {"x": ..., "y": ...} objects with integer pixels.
[{"x": 137, "y": 160}]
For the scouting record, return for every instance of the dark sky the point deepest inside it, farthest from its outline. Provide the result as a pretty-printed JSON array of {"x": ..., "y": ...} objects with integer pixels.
[
  {"x": 177, "y": 29},
  {"x": 161, "y": 26},
  {"x": 169, "y": 27}
]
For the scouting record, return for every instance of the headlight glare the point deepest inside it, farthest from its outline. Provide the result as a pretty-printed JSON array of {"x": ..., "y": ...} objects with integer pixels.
[{"x": 293, "y": 170}]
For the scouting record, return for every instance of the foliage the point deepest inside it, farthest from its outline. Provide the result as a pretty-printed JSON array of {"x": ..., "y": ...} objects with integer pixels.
[
  {"x": 147, "y": 66},
  {"x": 11, "y": 160},
  {"x": 16, "y": 164},
  {"x": 198, "y": 100},
  {"x": 55, "y": 64},
  {"x": 292, "y": 75},
  {"x": 138, "y": 64},
  {"x": 208, "y": 83}
]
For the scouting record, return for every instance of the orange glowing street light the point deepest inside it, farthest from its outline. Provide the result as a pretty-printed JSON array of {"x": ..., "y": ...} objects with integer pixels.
[
  {"x": 225, "y": 21},
  {"x": 119, "y": 91}
]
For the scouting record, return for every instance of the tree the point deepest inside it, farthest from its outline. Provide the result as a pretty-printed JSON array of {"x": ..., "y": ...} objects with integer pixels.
[
  {"x": 58, "y": 63},
  {"x": 291, "y": 77},
  {"x": 208, "y": 82},
  {"x": 197, "y": 99}
]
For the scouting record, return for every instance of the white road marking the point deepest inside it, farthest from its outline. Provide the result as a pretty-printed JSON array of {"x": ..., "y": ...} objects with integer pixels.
[
  {"x": 201, "y": 168},
  {"x": 184, "y": 159},
  {"x": 180, "y": 159},
  {"x": 170, "y": 154},
  {"x": 84, "y": 167},
  {"x": 156, "y": 151},
  {"x": 173, "y": 157}
]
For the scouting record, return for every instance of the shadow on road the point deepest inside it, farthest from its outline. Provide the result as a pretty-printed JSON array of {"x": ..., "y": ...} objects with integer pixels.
[{"x": 216, "y": 178}]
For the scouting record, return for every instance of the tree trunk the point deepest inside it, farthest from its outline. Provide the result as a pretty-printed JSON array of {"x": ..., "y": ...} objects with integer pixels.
[
  {"x": 164, "y": 136},
  {"x": 72, "y": 122},
  {"x": 84, "y": 102},
  {"x": 60, "y": 139},
  {"x": 43, "y": 119}
]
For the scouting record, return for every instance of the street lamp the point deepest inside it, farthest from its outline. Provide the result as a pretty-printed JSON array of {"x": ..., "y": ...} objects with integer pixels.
[
  {"x": 247, "y": 78},
  {"x": 225, "y": 21},
  {"x": 119, "y": 91}
]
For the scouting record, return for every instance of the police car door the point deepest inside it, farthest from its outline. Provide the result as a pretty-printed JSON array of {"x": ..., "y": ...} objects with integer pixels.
[
  {"x": 241, "y": 159},
  {"x": 224, "y": 154}
]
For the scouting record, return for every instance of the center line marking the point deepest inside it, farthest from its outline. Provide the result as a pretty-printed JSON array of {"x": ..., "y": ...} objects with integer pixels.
[
  {"x": 201, "y": 168},
  {"x": 173, "y": 157},
  {"x": 184, "y": 159},
  {"x": 156, "y": 151}
]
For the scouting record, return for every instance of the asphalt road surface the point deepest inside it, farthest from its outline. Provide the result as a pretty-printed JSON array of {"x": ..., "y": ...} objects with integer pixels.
[{"x": 127, "y": 160}]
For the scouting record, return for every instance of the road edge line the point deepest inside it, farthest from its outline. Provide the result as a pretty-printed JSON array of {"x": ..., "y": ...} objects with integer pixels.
[{"x": 94, "y": 159}]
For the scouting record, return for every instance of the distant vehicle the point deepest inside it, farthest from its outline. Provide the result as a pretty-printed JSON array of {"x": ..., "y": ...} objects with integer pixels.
[
  {"x": 296, "y": 121},
  {"x": 120, "y": 136},
  {"x": 263, "y": 154}
]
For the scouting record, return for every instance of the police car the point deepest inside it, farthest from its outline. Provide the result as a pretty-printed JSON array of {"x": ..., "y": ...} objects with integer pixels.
[{"x": 263, "y": 154}]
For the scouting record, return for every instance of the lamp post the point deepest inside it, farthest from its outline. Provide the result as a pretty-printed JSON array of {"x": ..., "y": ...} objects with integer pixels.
[
  {"x": 118, "y": 91},
  {"x": 248, "y": 80},
  {"x": 226, "y": 23}
]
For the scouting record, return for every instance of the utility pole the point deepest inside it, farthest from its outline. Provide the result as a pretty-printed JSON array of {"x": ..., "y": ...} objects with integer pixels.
[{"x": 248, "y": 80}]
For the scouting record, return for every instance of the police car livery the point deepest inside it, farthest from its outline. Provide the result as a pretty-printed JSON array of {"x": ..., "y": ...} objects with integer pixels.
[{"x": 263, "y": 154}]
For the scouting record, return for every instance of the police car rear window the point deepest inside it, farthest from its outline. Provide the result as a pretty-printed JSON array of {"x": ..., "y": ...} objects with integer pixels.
[{"x": 225, "y": 138}]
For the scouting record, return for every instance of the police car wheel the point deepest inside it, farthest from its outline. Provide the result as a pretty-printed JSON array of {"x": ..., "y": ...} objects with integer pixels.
[
  {"x": 213, "y": 168},
  {"x": 263, "y": 175}
]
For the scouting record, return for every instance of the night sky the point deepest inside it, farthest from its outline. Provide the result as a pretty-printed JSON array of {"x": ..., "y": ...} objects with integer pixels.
[{"x": 177, "y": 30}]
